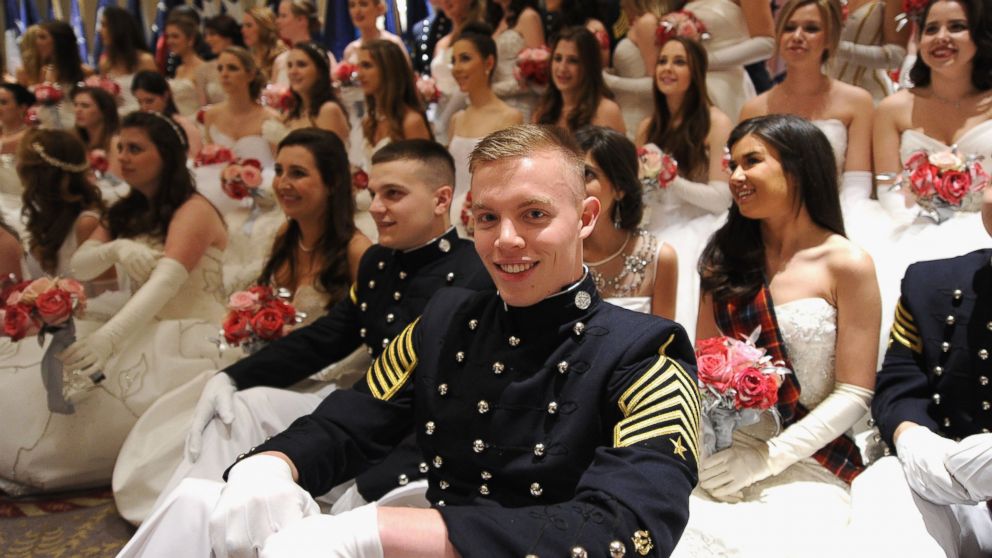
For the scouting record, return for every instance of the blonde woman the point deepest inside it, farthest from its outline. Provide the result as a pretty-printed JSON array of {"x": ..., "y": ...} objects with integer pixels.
[{"x": 258, "y": 29}]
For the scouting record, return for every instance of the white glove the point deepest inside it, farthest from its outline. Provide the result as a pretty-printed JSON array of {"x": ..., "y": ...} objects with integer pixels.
[
  {"x": 970, "y": 463},
  {"x": 884, "y": 57},
  {"x": 353, "y": 534},
  {"x": 259, "y": 499},
  {"x": 94, "y": 257},
  {"x": 91, "y": 353},
  {"x": 730, "y": 471},
  {"x": 754, "y": 49},
  {"x": 217, "y": 399},
  {"x": 922, "y": 454},
  {"x": 713, "y": 196}
]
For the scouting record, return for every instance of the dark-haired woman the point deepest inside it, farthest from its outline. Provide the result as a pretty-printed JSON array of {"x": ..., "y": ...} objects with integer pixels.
[
  {"x": 562, "y": 14},
  {"x": 125, "y": 52},
  {"x": 364, "y": 16},
  {"x": 576, "y": 95},
  {"x": 220, "y": 32},
  {"x": 460, "y": 13},
  {"x": 192, "y": 75},
  {"x": 316, "y": 104},
  {"x": 296, "y": 22},
  {"x": 167, "y": 240},
  {"x": 518, "y": 26},
  {"x": 630, "y": 266},
  {"x": 98, "y": 124},
  {"x": 315, "y": 256},
  {"x": 153, "y": 94},
  {"x": 15, "y": 100},
  {"x": 57, "y": 56},
  {"x": 782, "y": 262}
]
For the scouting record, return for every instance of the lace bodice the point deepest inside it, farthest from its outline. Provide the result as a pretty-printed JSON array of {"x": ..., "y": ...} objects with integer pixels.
[
  {"x": 836, "y": 133},
  {"x": 252, "y": 147},
  {"x": 809, "y": 330},
  {"x": 627, "y": 60},
  {"x": 508, "y": 45}
]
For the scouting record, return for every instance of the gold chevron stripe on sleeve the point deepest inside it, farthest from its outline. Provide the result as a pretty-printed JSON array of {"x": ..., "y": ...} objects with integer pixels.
[
  {"x": 664, "y": 401},
  {"x": 394, "y": 366},
  {"x": 353, "y": 293},
  {"x": 905, "y": 318},
  {"x": 904, "y": 330}
]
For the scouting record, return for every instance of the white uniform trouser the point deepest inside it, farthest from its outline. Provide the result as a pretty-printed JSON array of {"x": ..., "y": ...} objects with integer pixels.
[{"x": 889, "y": 519}]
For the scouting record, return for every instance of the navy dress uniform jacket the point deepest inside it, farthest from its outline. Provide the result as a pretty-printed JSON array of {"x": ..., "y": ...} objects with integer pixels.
[
  {"x": 392, "y": 289},
  {"x": 937, "y": 369},
  {"x": 564, "y": 428}
]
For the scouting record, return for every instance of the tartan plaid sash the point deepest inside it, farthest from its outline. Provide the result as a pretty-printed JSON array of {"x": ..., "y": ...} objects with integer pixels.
[{"x": 738, "y": 318}]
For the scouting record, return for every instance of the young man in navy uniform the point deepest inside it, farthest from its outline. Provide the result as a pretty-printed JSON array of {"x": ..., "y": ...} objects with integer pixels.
[
  {"x": 417, "y": 254},
  {"x": 552, "y": 423},
  {"x": 933, "y": 406}
]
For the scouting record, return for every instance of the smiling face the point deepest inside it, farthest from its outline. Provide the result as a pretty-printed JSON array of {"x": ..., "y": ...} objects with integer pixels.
[
  {"x": 301, "y": 71},
  {"x": 177, "y": 41},
  {"x": 758, "y": 182},
  {"x": 530, "y": 223},
  {"x": 150, "y": 102},
  {"x": 672, "y": 74},
  {"x": 299, "y": 188},
  {"x": 249, "y": 30},
  {"x": 232, "y": 73},
  {"x": 141, "y": 163},
  {"x": 945, "y": 40},
  {"x": 566, "y": 66},
  {"x": 804, "y": 35},
  {"x": 365, "y": 12},
  {"x": 368, "y": 72},
  {"x": 468, "y": 68},
  {"x": 408, "y": 212}
]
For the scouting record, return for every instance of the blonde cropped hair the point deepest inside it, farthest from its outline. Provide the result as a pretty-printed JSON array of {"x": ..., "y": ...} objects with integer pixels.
[{"x": 831, "y": 13}]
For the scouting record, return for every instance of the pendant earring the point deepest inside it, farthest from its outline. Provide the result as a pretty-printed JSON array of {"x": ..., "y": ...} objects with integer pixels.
[{"x": 617, "y": 217}]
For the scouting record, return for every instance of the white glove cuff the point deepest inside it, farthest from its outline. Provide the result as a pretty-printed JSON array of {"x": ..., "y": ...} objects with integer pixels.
[
  {"x": 260, "y": 466},
  {"x": 824, "y": 423}
]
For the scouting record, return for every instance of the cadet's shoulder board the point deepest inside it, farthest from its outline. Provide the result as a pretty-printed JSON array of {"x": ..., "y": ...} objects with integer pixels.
[
  {"x": 392, "y": 369},
  {"x": 664, "y": 401},
  {"x": 904, "y": 329}
]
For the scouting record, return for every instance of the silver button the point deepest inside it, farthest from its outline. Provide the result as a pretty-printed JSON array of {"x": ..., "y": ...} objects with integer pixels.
[
  {"x": 478, "y": 446},
  {"x": 444, "y": 485},
  {"x": 983, "y": 380},
  {"x": 983, "y": 354},
  {"x": 945, "y": 346},
  {"x": 397, "y": 295},
  {"x": 385, "y": 342},
  {"x": 617, "y": 549},
  {"x": 483, "y": 407},
  {"x": 958, "y": 294},
  {"x": 440, "y": 503},
  {"x": 486, "y": 475},
  {"x": 472, "y": 324},
  {"x": 552, "y": 408},
  {"x": 402, "y": 275},
  {"x": 514, "y": 341},
  {"x": 936, "y": 399},
  {"x": 369, "y": 349},
  {"x": 372, "y": 283},
  {"x": 938, "y": 370},
  {"x": 363, "y": 306},
  {"x": 423, "y": 468},
  {"x": 404, "y": 480},
  {"x": 535, "y": 489},
  {"x": 871, "y": 422},
  {"x": 390, "y": 318},
  {"x": 582, "y": 300},
  {"x": 562, "y": 367},
  {"x": 988, "y": 326},
  {"x": 381, "y": 264},
  {"x": 444, "y": 245},
  {"x": 579, "y": 552},
  {"x": 460, "y": 356},
  {"x": 498, "y": 367},
  {"x": 578, "y": 328},
  {"x": 429, "y": 427},
  {"x": 442, "y": 389},
  {"x": 539, "y": 450},
  {"x": 986, "y": 405},
  {"x": 484, "y": 490},
  {"x": 450, "y": 277},
  {"x": 438, "y": 462},
  {"x": 947, "y": 423},
  {"x": 985, "y": 431},
  {"x": 949, "y": 320},
  {"x": 362, "y": 333}
]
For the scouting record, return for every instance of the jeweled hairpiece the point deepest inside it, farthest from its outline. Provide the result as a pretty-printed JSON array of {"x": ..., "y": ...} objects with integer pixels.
[
  {"x": 175, "y": 128},
  {"x": 61, "y": 165}
]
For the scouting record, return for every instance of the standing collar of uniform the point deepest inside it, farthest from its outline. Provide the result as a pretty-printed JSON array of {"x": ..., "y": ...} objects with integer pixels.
[
  {"x": 435, "y": 249},
  {"x": 570, "y": 304}
]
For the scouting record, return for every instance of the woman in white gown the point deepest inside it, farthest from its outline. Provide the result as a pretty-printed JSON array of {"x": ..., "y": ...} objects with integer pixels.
[
  {"x": 631, "y": 268},
  {"x": 315, "y": 256},
  {"x": 125, "y": 52},
  {"x": 740, "y": 34},
  {"x": 460, "y": 12},
  {"x": 15, "y": 99},
  {"x": 189, "y": 86},
  {"x": 689, "y": 128},
  {"x": 59, "y": 64},
  {"x": 474, "y": 55},
  {"x": 154, "y": 95},
  {"x": 296, "y": 22},
  {"x": 519, "y": 27},
  {"x": 168, "y": 240},
  {"x": 782, "y": 253},
  {"x": 870, "y": 46},
  {"x": 364, "y": 16},
  {"x": 315, "y": 104},
  {"x": 258, "y": 29}
]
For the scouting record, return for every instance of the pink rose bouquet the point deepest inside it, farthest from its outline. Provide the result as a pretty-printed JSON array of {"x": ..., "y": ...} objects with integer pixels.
[
  {"x": 105, "y": 83},
  {"x": 655, "y": 168},
  {"x": 241, "y": 178},
  {"x": 738, "y": 382},
  {"x": 944, "y": 182},
  {"x": 258, "y": 315},
  {"x": 532, "y": 66},
  {"x": 213, "y": 154},
  {"x": 279, "y": 97},
  {"x": 682, "y": 23},
  {"x": 40, "y": 306}
]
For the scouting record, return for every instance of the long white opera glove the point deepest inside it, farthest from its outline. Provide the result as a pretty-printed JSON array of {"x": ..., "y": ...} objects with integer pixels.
[
  {"x": 713, "y": 196},
  {"x": 217, "y": 399},
  {"x": 970, "y": 463},
  {"x": 94, "y": 257},
  {"x": 922, "y": 454},
  {"x": 353, "y": 534},
  {"x": 754, "y": 49},
  {"x": 728, "y": 472},
  {"x": 884, "y": 57},
  {"x": 259, "y": 499},
  {"x": 91, "y": 353}
]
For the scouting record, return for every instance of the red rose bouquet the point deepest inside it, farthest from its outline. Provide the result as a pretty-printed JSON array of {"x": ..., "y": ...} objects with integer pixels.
[
  {"x": 258, "y": 315},
  {"x": 428, "y": 90},
  {"x": 48, "y": 94},
  {"x": 912, "y": 10},
  {"x": 468, "y": 219},
  {"x": 532, "y": 66},
  {"x": 346, "y": 74},
  {"x": 359, "y": 179},
  {"x": 655, "y": 168},
  {"x": 279, "y": 97},
  {"x": 944, "y": 182},
  {"x": 105, "y": 83},
  {"x": 213, "y": 154},
  {"x": 682, "y": 23},
  {"x": 738, "y": 382},
  {"x": 241, "y": 178}
]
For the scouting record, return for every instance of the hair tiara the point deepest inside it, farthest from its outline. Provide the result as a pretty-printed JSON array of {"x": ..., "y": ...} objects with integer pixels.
[
  {"x": 57, "y": 163},
  {"x": 175, "y": 128}
]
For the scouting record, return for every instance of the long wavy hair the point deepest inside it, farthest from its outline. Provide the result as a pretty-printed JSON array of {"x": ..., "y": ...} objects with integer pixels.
[
  {"x": 30, "y": 59},
  {"x": 126, "y": 39},
  {"x": 107, "y": 106},
  {"x": 617, "y": 157},
  {"x": 591, "y": 89},
  {"x": 322, "y": 91},
  {"x": 268, "y": 46},
  {"x": 65, "y": 52},
  {"x": 979, "y": 25},
  {"x": 683, "y": 134},
  {"x": 53, "y": 197},
  {"x": 397, "y": 90},
  {"x": 331, "y": 160},
  {"x": 831, "y": 12},
  {"x": 136, "y": 214},
  {"x": 156, "y": 84},
  {"x": 733, "y": 263}
]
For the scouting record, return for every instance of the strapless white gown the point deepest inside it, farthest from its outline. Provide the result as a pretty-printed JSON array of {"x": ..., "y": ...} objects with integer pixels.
[
  {"x": 127, "y": 101},
  {"x": 728, "y": 88},
  {"x": 41, "y": 450},
  {"x": 508, "y": 45},
  {"x": 637, "y": 103},
  {"x": 864, "y": 27},
  {"x": 460, "y": 148},
  {"x": 804, "y": 508}
]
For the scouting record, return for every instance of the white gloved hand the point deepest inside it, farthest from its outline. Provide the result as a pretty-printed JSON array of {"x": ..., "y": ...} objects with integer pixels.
[
  {"x": 970, "y": 463},
  {"x": 94, "y": 257},
  {"x": 922, "y": 454},
  {"x": 217, "y": 399},
  {"x": 726, "y": 473},
  {"x": 259, "y": 499},
  {"x": 137, "y": 260},
  {"x": 353, "y": 534}
]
